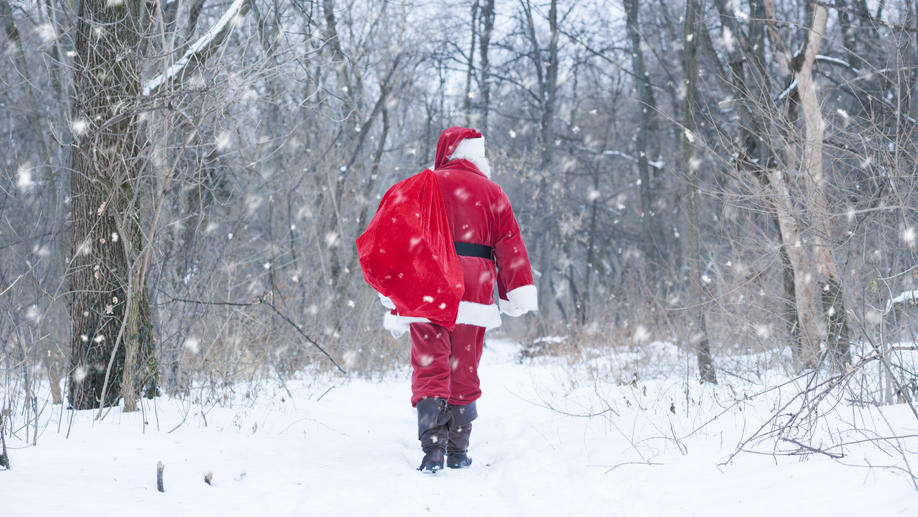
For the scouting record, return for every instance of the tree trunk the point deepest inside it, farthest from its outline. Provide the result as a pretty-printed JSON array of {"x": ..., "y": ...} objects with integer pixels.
[
  {"x": 814, "y": 184},
  {"x": 648, "y": 113},
  {"x": 104, "y": 176},
  {"x": 699, "y": 337},
  {"x": 551, "y": 87},
  {"x": 467, "y": 99},
  {"x": 808, "y": 314},
  {"x": 754, "y": 151},
  {"x": 487, "y": 25},
  {"x": 789, "y": 304}
]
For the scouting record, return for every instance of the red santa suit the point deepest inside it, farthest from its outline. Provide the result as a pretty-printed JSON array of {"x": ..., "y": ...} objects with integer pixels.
[{"x": 445, "y": 362}]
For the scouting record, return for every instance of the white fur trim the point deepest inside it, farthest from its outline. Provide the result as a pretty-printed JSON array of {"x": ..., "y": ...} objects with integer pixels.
[
  {"x": 387, "y": 303},
  {"x": 520, "y": 301},
  {"x": 470, "y": 313},
  {"x": 473, "y": 150}
]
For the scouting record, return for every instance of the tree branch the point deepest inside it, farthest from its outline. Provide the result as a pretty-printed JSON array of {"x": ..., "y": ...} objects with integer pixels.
[{"x": 202, "y": 48}]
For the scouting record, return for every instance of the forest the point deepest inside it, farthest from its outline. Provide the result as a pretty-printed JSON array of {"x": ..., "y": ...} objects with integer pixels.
[{"x": 182, "y": 183}]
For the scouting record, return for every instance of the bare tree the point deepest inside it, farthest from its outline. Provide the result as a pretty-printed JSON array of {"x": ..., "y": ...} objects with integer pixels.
[
  {"x": 698, "y": 334},
  {"x": 643, "y": 147}
]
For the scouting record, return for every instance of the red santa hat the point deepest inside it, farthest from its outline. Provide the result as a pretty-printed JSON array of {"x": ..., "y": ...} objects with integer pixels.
[{"x": 462, "y": 143}]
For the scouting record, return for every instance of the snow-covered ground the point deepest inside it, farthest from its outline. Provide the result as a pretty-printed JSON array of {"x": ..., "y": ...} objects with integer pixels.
[{"x": 648, "y": 448}]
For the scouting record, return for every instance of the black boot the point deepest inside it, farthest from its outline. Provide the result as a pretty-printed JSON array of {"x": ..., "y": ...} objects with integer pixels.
[
  {"x": 460, "y": 430},
  {"x": 433, "y": 421}
]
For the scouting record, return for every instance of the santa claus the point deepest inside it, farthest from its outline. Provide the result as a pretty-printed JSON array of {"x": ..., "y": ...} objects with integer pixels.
[{"x": 487, "y": 239}]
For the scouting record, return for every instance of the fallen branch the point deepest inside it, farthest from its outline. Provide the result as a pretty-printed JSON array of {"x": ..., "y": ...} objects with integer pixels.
[{"x": 809, "y": 449}]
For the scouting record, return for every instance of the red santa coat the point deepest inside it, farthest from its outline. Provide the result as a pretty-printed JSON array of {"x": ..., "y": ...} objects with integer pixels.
[{"x": 479, "y": 212}]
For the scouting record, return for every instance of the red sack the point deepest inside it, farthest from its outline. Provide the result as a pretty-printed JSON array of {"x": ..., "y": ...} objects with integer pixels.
[{"x": 407, "y": 252}]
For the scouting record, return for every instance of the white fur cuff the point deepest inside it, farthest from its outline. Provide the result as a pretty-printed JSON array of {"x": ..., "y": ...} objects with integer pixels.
[
  {"x": 520, "y": 301},
  {"x": 470, "y": 313}
]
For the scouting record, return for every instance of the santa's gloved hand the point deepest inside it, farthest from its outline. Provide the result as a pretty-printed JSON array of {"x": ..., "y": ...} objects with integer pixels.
[
  {"x": 520, "y": 301},
  {"x": 509, "y": 308}
]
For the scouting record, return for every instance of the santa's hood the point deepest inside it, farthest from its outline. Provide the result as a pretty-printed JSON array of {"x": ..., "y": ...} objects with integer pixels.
[{"x": 462, "y": 143}]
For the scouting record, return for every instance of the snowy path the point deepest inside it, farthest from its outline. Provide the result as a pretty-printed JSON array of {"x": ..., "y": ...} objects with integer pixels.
[{"x": 354, "y": 453}]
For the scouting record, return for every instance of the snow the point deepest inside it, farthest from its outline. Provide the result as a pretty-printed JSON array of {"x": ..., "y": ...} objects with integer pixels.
[
  {"x": 656, "y": 164},
  {"x": 903, "y": 297},
  {"x": 203, "y": 42},
  {"x": 787, "y": 91},
  {"x": 550, "y": 440},
  {"x": 835, "y": 61}
]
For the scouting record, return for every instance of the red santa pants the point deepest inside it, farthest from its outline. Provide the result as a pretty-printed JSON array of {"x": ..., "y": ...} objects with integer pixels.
[{"x": 446, "y": 363}]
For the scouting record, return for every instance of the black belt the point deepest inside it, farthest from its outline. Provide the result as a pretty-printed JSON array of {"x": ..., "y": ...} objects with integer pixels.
[{"x": 467, "y": 249}]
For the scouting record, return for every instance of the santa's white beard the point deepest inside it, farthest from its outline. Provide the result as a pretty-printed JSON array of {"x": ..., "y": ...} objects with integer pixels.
[{"x": 473, "y": 150}]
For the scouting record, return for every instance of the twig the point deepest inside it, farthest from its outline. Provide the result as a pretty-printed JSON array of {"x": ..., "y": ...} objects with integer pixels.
[
  {"x": 262, "y": 300},
  {"x": 812, "y": 449},
  {"x": 298, "y": 329},
  {"x": 867, "y": 16},
  {"x": 200, "y": 49},
  {"x": 325, "y": 393},
  {"x": 648, "y": 463}
]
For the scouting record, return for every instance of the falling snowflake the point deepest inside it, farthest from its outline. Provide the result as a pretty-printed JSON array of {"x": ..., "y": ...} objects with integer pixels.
[
  {"x": 350, "y": 358},
  {"x": 641, "y": 335},
  {"x": 24, "y": 177},
  {"x": 908, "y": 236},
  {"x": 728, "y": 39},
  {"x": 193, "y": 345},
  {"x": 46, "y": 32},
  {"x": 33, "y": 314},
  {"x": 84, "y": 248},
  {"x": 79, "y": 126},
  {"x": 222, "y": 141},
  {"x": 80, "y": 373}
]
